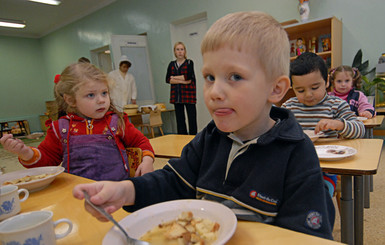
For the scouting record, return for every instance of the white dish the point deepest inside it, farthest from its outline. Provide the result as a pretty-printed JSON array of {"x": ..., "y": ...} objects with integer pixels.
[
  {"x": 33, "y": 185},
  {"x": 334, "y": 152},
  {"x": 362, "y": 118},
  {"x": 145, "y": 219}
]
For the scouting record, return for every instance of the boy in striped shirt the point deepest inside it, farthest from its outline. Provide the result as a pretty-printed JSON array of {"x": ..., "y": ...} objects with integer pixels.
[{"x": 314, "y": 109}]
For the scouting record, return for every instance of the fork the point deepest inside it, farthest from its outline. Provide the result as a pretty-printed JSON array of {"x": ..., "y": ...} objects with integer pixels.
[{"x": 130, "y": 240}]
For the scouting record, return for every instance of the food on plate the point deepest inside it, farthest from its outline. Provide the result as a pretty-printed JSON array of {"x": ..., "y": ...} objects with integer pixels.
[
  {"x": 186, "y": 229},
  {"x": 339, "y": 152},
  {"x": 26, "y": 179}
]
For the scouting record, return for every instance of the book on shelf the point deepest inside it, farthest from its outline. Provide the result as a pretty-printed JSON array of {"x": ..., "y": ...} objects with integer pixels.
[{"x": 324, "y": 42}]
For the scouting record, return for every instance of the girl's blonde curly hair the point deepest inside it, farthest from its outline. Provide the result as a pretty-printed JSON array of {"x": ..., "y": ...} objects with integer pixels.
[{"x": 73, "y": 77}]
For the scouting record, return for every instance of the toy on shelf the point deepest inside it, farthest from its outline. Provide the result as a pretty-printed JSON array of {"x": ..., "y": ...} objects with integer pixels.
[
  {"x": 304, "y": 10},
  {"x": 293, "y": 48},
  {"x": 301, "y": 48},
  {"x": 312, "y": 45}
]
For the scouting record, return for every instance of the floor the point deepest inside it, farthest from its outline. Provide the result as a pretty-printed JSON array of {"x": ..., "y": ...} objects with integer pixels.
[{"x": 374, "y": 223}]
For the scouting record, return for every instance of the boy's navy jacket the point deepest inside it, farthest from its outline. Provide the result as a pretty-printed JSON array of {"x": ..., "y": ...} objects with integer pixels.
[{"x": 274, "y": 179}]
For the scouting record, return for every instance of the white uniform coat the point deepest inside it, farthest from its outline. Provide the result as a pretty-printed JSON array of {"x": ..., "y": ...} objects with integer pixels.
[{"x": 122, "y": 90}]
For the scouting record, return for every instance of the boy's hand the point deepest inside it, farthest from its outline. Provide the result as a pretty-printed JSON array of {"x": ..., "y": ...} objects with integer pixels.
[
  {"x": 366, "y": 114},
  {"x": 111, "y": 195},
  {"x": 146, "y": 166},
  {"x": 326, "y": 124},
  {"x": 16, "y": 146}
]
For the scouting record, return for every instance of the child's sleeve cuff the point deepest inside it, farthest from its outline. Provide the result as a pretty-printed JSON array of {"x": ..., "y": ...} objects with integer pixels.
[
  {"x": 148, "y": 153},
  {"x": 34, "y": 159}
]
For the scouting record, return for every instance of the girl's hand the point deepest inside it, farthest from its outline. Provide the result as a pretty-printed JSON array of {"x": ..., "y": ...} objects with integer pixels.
[
  {"x": 178, "y": 80},
  {"x": 180, "y": 77},
  {"x": 331, "y": 124},
  {"x": 366, "y": 114},
  {"x": 111, "y": 195},
  {"x": 16, "y": 146},
  {"x": 146, "y": 166}
]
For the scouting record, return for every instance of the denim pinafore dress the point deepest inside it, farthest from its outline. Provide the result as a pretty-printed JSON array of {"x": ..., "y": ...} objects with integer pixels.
[{"x": 94, "y": 156}]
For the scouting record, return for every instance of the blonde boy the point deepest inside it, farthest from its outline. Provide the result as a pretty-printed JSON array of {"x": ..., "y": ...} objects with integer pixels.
[{"x": 253, "y": 158}]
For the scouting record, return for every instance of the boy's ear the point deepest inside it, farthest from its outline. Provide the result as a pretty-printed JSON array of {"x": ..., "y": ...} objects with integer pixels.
[
  {"x": 69, "y": 100},
  {"x": 280, "y": 87}
]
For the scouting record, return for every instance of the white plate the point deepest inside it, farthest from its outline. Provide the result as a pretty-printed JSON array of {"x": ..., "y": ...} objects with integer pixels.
[
  {"x": 145, "y": 219},
  {"x": 34, "y": 185},
  {"x": 362, "y": 118},
  {"x": 334, "y": 152}
]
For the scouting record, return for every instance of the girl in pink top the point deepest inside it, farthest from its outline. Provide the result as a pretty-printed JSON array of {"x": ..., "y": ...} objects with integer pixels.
[{"x": 345, "y": 80}]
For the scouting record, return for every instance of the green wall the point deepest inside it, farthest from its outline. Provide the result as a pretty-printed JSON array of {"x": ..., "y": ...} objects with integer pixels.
[
  {"x": 27, "y": 66},
  {"x": 23, "y": 80},
  {"x": 363, "y": 26}
]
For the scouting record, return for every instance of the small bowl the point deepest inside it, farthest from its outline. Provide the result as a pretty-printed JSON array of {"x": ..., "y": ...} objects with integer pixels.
[{"x": 33, "y": 185}]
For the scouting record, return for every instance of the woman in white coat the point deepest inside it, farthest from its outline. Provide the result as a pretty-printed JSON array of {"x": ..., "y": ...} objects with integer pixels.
[{"x": 123, "y": 87}]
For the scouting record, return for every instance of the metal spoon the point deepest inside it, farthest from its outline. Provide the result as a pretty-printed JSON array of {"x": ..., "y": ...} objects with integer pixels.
[{"x": 130, "y": 240}]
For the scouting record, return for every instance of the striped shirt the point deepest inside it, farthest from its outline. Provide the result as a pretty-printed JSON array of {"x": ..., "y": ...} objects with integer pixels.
[{"x": 330, "y": 107}]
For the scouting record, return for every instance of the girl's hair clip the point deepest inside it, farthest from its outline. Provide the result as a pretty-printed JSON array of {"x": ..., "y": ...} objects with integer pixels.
[
  {"x": 57, "y": 79},
  {"x": 354, "y": 69}
]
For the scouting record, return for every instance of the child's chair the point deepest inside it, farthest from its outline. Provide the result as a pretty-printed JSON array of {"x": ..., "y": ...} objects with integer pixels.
[
  {"x": 136, "y": 120},
  {"x": 134, "y": 155},
  {"x": 155, "y": 121}
]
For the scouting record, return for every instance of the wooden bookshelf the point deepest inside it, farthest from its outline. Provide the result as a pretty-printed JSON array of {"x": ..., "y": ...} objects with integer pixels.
[{"x": 315, "y": 28}]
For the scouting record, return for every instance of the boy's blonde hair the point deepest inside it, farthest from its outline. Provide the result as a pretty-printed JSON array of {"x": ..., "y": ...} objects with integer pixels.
[
  {"x": 254, "y": 31},
  {"x": 74, "y": 76}
]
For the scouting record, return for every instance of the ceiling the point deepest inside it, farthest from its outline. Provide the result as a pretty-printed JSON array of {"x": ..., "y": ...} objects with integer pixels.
[{"x": 42, "y": 19}]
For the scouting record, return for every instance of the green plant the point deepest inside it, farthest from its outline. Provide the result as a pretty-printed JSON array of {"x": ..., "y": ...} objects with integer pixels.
[{"x": 369, "y": 80}]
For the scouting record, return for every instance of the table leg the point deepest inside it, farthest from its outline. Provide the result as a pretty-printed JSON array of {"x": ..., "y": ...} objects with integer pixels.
[
  {"x": 366, "y": 191},
  {"x": 366, "y": 136},
  {"x": 347, "y": 228},
  {"x": 371, "y": 183},
  {"x": 368, "y": 180},
  {"x": 358, "y": 210}
]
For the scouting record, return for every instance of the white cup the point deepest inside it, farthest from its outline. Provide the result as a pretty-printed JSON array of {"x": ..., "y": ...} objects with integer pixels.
[
  {"x": 10, "y": 200},
  {"x": 36, "y": 227}
]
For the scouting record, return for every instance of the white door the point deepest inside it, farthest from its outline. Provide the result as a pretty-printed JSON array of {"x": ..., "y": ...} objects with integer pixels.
[
  {"x": 135, "y": 47},
  {"x": 191, "y": 34},
  {"x": 101, "y": 58},
  {"x": 105, "y": 62}
]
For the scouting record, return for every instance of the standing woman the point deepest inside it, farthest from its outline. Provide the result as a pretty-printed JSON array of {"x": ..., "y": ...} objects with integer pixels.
[
  {"x": 122, "y": 85},
  {"x": 181, "y": 76}
]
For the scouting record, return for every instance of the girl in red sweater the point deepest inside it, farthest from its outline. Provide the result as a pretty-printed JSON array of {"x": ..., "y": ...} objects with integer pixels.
[{"x": 90, "y": 140}]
